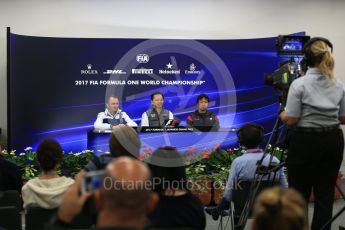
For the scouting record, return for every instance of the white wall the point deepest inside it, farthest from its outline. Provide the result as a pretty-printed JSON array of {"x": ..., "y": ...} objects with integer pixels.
[{"x": 170, "y": 19}]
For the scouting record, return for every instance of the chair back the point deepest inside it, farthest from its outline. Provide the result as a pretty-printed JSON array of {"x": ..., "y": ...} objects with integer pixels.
[
  {"x": 83, "y": 221},
  {"x": 10, "y": 218},
  {"x": 241, "y": 191},
  {"x": 171, "y": 228},
  {"x": 36, "y": 218},
  {"x": 11, "y": 198},
  {"x": 1, "y": 180}
]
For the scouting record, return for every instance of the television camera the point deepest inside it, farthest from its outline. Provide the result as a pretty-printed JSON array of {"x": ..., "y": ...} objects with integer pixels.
[{"x": 289, "y": 46}]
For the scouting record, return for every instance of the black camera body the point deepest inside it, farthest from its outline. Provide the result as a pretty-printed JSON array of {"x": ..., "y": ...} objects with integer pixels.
[
  {"x": 291, "y": 46},
  {"x": 284, "y": 76}
]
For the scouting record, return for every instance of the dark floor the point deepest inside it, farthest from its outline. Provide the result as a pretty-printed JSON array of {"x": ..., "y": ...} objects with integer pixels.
[{"x": 338, "y": 205}]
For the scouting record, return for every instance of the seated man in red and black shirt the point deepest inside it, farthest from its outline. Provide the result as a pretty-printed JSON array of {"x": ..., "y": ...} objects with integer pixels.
[{"x": 203, "y": 119}]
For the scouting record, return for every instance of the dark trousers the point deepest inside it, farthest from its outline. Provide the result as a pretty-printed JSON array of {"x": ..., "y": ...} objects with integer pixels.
[{"x": 314, "y": 159}]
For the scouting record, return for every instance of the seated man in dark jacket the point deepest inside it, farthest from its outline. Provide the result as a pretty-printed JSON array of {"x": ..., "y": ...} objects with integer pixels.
[
  {"x": 203, "y": 119},
  {"x": 157, "y": 116}
]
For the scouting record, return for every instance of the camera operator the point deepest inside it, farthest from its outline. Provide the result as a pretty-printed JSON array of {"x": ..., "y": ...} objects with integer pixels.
[{"x": 315, "y": 109}]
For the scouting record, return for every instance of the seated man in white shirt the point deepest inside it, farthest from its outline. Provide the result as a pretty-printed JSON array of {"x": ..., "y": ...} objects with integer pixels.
[{"x": 112, "y": 116}]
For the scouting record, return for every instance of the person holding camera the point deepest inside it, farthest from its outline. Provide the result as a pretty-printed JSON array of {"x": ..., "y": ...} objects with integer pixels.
[
  {"x": 123, "y": 200},
  {"x": 315, "y": 109}
]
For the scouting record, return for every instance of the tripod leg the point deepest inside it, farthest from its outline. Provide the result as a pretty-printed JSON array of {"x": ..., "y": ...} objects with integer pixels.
[
  {"x": 333, "y": 218},
  {"x": 232, "y": 216},
  {"x": 221, "y": 223},
  {"x": 339, "y": 212}
]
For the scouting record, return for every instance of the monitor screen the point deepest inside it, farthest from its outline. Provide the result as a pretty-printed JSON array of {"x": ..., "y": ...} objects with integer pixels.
[{"x": 291, "y": 44}]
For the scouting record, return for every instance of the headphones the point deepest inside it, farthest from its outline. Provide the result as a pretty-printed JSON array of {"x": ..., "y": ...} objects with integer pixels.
[
  {"x": 240, "y": 132},
  {"x": 309, "y": 58}
]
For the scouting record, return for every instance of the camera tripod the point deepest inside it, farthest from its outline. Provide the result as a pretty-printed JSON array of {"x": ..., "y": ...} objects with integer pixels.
[
  {"x": 266, "y": 173},
  {"x": 263, "y": 171}
]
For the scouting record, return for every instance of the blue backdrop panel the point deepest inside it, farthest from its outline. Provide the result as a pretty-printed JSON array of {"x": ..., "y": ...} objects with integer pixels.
[{"x": 58, "y": 85}]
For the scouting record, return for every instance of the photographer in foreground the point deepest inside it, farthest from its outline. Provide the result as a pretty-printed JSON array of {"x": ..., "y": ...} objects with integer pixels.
[
  {"x": 123, "y": 200},
  {"x": 316, "y": 108}
]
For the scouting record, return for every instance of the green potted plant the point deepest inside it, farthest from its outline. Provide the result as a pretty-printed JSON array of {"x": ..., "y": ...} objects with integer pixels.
[
  {"x": 199, "y": 182},
  {"x": 219, "y": 165},
  {"x": 71, "y": 163},
  {"x": 209, "y": 169},
  {"x": 26, "y": 161}
]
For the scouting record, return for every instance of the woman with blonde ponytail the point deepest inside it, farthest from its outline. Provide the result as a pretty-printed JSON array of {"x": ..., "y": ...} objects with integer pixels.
[
  {"x": 283, "y": 209},
  {"x": 325, "y": 62},
  {"x": 314, "y": 111}
]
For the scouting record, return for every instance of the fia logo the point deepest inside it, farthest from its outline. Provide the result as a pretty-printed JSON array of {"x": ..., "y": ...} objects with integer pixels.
[{"x": 143, "y": 58}]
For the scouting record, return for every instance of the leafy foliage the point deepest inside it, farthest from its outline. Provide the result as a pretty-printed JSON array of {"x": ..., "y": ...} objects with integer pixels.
[{"x": 71, "y": 163}]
